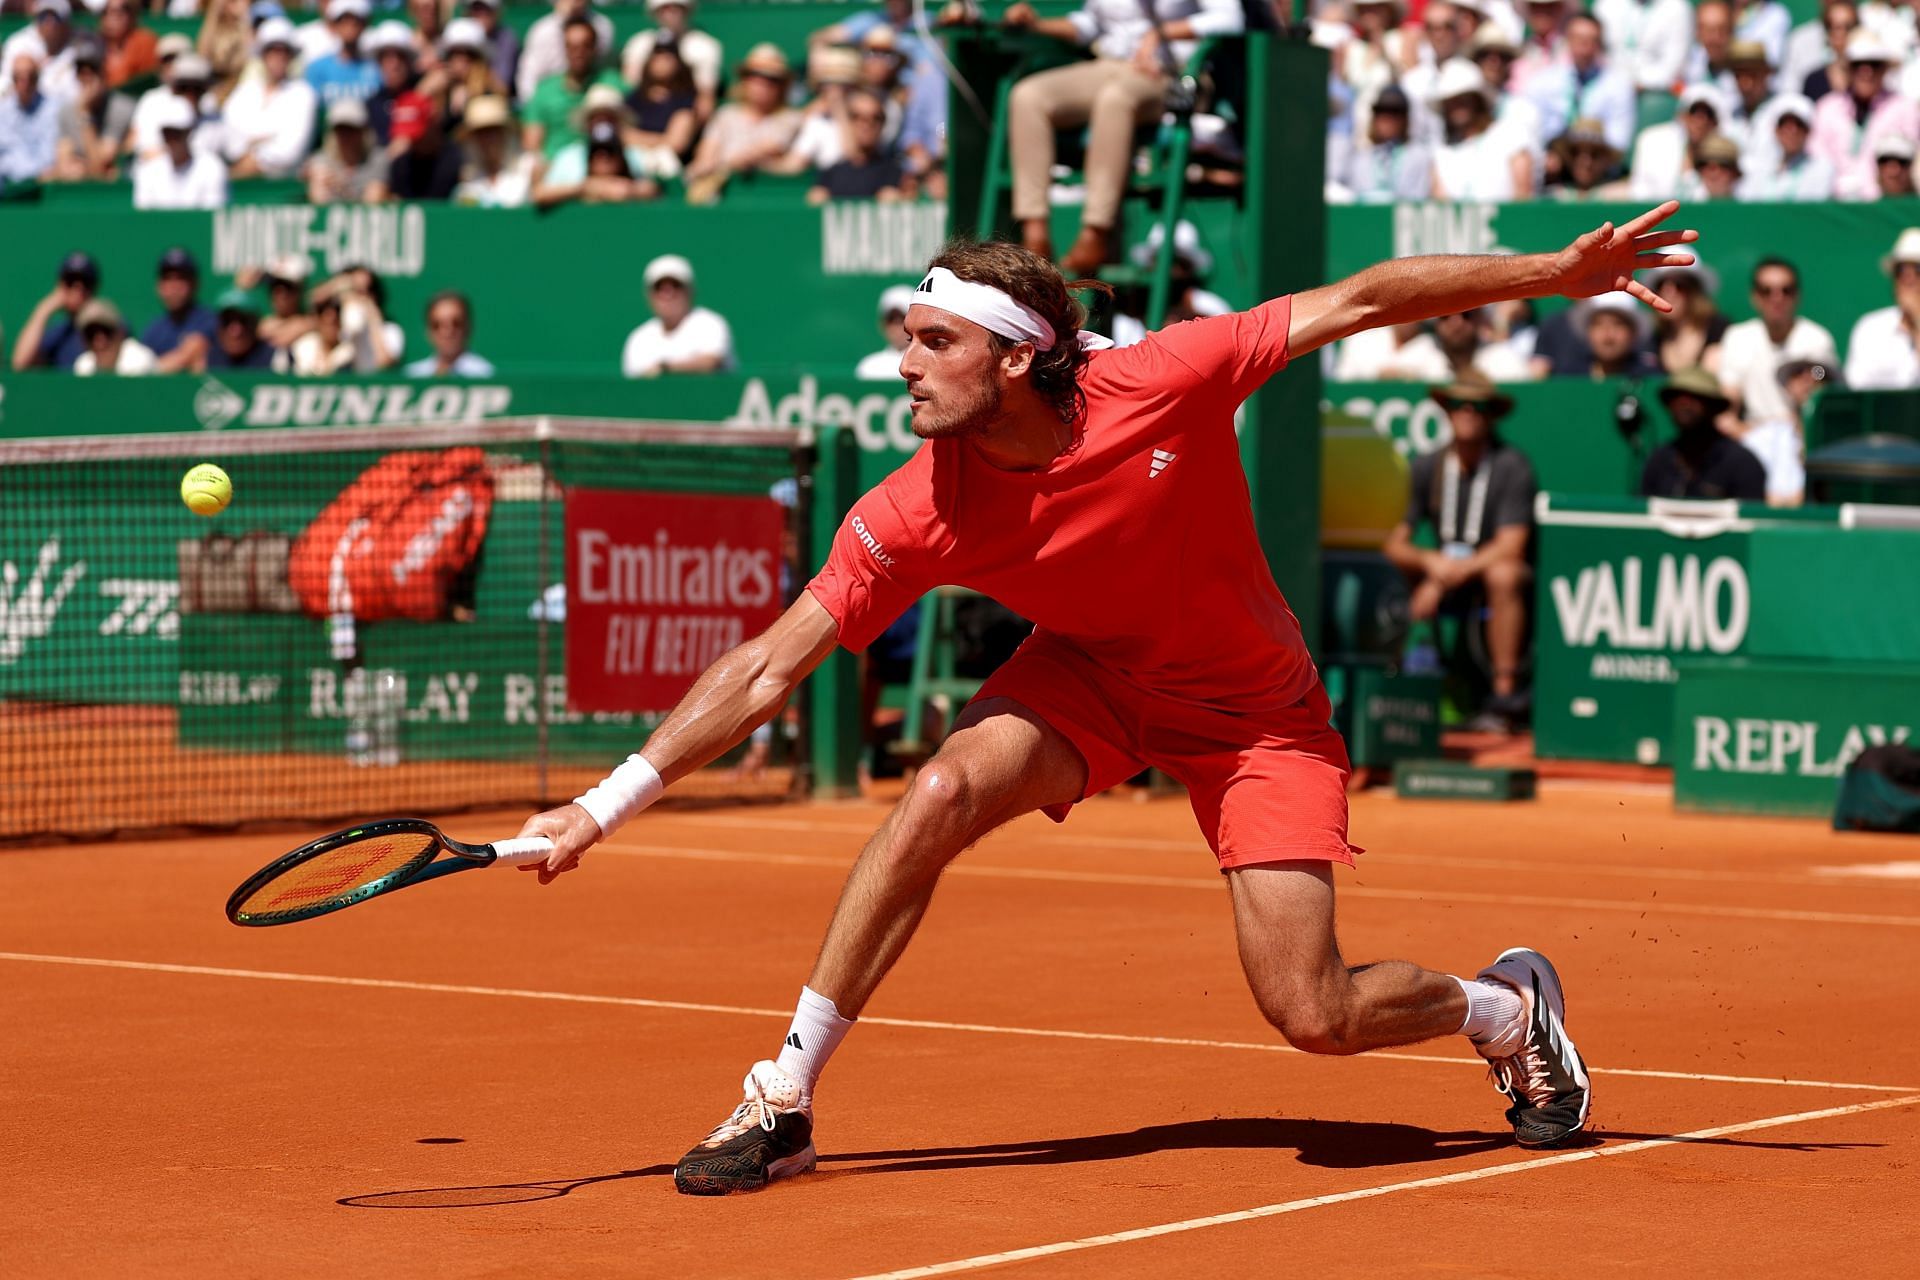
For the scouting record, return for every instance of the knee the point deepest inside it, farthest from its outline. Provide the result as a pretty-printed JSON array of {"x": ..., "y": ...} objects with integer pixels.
[
  {"x": 1505, "y": 578},
  {"x": 1311, "y": 1024},
  {"x": 1027, "y": 101},
  {"x": 944, "y": 799}
]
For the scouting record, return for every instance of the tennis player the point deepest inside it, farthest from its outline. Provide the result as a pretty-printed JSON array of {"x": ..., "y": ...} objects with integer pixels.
[{"x": 1099, "y": 493}]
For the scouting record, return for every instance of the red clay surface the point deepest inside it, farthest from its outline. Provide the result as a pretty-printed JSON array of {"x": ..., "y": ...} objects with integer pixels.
[{"x": 168, "y": 1122}]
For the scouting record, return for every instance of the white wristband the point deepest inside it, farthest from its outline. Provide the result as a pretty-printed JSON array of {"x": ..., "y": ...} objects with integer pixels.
[{"x": 625, "y": 792}]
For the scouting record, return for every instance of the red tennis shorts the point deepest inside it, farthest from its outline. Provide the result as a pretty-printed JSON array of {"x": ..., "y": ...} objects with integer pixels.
[{"x": 1266, "y": 786}]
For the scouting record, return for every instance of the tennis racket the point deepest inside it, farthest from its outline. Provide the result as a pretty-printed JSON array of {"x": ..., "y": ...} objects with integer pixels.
[{"x": 364, "y": 862}]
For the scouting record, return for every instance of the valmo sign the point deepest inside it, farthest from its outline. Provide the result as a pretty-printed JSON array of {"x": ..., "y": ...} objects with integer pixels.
[{"x": 1677, "y": 603}]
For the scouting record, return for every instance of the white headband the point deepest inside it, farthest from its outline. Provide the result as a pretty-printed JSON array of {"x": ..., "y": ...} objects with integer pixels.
[{"x": 993, "y": 310}]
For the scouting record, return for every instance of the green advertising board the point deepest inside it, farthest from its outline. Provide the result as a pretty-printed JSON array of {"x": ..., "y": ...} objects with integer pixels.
[{"x": 1760, "y": 736}]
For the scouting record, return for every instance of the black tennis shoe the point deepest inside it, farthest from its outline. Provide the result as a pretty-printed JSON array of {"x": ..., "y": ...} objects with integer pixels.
[
  {"x": 1544, "y": 1078},
  {"x": 769, "y": 1136}
]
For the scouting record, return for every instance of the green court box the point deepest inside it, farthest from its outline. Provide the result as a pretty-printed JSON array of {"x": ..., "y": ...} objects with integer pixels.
[{"x": 1383, "y": 716}]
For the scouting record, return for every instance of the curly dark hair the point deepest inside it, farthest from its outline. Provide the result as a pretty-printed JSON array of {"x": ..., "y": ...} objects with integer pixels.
[{"x": 1030, "y": 279}]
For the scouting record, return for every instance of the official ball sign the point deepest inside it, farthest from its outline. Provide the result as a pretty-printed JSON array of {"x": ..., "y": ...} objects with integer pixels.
[{"x": 658, "y": 586}]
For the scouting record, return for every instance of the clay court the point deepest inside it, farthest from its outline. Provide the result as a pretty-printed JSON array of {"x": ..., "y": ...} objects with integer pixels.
[{"x": 1065, "y": 1076}]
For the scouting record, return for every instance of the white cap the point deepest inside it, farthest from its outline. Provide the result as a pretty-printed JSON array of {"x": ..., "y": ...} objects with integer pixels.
[
  {"x": 1868, "y": 45},
  {"x": 1893, "y": 146},
  {"x": 465, "y": 33},
  {"x": 390, "y": 34},
  {"x": 293, "y": 267},
  {"x": 348, "y": 112},
  {"x": 192, "y": 68},
  {"x": 1621, "y": 303},
  {"x": 274, "y": 31},
  {"x": 894, "y": 299},
  {"x": 1704, "y": 94},
  {"x": 1905, "y": 249},
  {"x": 342, "y": 8},
  {"x": 172, "y": 111},
  {"x": 1797, "y": 105},
  {"x": 1709, "y": 278},
  {"x": 668, "y": 266},
  {"x": 1458, "y": 76},
  {"x": 661, "y": 4},
  {"x": 58, "y": 7}
]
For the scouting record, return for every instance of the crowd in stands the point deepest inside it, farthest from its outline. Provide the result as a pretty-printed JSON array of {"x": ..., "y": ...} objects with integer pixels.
[{"x": 448, "y": 104}]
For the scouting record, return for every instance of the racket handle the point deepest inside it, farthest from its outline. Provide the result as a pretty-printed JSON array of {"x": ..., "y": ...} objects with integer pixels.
[{"x": 522, "y": 849}]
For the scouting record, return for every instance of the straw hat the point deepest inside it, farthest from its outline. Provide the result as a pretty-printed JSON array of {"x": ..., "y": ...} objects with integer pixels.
[
  {"x": 1459, "y": 77},
  {"x": 489, "y": 111},
  {"x": 1905, "y": 249},
  {"x": 1718, "y": 148},
  {"x": 102, "y": 313},
  {"x": 765, "y": 59},
  {"x": 600, "y": 98},
  {"x": 1696, "y": 382},
  {"x": 1748, "y": 55},
  {"x": 1472, "y": 387},
  {"x": 1585, "y": 132}
]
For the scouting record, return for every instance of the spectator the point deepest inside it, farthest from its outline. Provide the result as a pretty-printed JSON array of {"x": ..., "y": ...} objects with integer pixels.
[
  {"x": 880, "y": 69},
  {"x": 548, "y": 121},
  {"x": 1390, "y": 168},
  {"x": 238, "y": 344},
  {"x": 428, "y": 165},
  {"x": 1478, "y": 161},
  {"x": 884, "y": 364},
  {"x": 1763, "y": 22},
  {"x": 29, "y": 126},
  {"x": 871, "y": 169},
  {"x": 1753, "y": 351},
  {"x": 1893, "y": 167},
  {"x": 109, "y": 349},
  {"x": 1716, "y": 170},
  {"x": 1583, "y": 87},
  {"x": 1748, "y": 115},
  {"x": 498, "y": 176},
  {"x": 1544, "y": 47},
  {"x": 93, "y": 127},
  {"x": 184, "y": 331},
  {"x": 1710, "y": 60},
  {"x": 226, "y": 42},
  {"x": 1611, "y": 338},
  {"x": 1649, "y": 38},
  {"x": 674, "y": 30},
  {"x": 182, "y": 176},
  {"x": 1457, "y": 346},
  {"x": 1186, "y": 300},
  {"x": 503, "y": 45},
  {"x": 132, "y": 51},
  {"x": 348, "y": 169},
  {"x": 43, "y": 342},
  {"x": 449, "y": 329},
  {"x": 1493, "y": 53},
  {"x": 1881, "y": 352},
  {"x": 681, "y": 337},
  {"x": 923, "y": 134},
  {"x": 323, "y": 351},
  {"x": 1780, "y": 441},
  {"x": 464, "y": 75},
  {"x": 1689, "y": 336},
  {"x": 346, "y": 73},
  {"x": 422, "y": 40},
  {"x": 1477, "y": 494},
  {"x": 1700, "y": 462},
  {"x": 1444, "y": 30},
  {"x": 1663, "y": 153},
  {"x": 1817, "y": 51},
  {"x": 49, "y": 42},
  {"x": 287, "y": 318},
  {"x": 1372, "y": 59},
  {"x": 1123, "y": 86},
  {"x": 546, "y": 49},
  {"x": 269, "y": 118},
  {"x": 1373, "y": 354},
  {"x": 601, "y": 168},
  {"x": 751, "y": 133},
  {"x": 378, "y": 343},
  {"x": 398, "y": 100},
  {"x": 822, "y": 136},
  {"x": 317, "y": 39},
  {"x": 142, "y": 139},
  {"x": 1583, "y": 160},
  {"x": 664, "y": 110},
  {"x": 1795, "y": 173},
  {"x": 1848, "y": 126}
]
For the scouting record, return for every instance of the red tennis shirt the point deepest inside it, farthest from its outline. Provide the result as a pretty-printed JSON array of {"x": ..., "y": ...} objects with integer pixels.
[{"x": 1137, "y": 546}]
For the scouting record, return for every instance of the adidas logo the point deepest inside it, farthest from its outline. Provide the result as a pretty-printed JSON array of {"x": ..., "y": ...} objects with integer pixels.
[
  {"x": 1161, "y": 458},
  {"x": 793, "y": 1038}
]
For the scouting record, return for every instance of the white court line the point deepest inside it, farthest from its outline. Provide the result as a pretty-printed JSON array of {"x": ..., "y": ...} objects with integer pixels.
[
  {"x": 918, "y": 1024},
  {"x": 984, "y": 1260},
  {"x": 1215, "y": 883},
  {"x": 1822, "y": 877}
]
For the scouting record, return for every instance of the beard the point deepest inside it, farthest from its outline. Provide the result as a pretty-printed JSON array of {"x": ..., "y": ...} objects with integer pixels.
[{"x": 963, "y": 413}]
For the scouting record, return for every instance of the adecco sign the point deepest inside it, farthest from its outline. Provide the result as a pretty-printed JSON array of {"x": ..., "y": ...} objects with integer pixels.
[
  {"x": 882, "y": 423},
  {"x": 1417, "y": 424}
]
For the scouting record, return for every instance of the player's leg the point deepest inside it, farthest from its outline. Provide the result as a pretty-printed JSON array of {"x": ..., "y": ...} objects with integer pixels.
[
  {"x": 1512, "y": 1012},
  {"x": 1001, "y": 760}
]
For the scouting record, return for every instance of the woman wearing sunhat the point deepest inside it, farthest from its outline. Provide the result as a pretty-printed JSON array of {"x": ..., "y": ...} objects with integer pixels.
[{"x": 752, "y": 132}]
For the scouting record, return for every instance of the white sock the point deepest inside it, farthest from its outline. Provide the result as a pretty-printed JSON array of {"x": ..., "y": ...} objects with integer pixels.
[
  {"x": 1496, "y": 1016},
  {"x": 816, "y": 1032}
]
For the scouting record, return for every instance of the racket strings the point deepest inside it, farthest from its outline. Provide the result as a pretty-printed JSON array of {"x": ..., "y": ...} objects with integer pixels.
[{"x": 340, "y": 872}]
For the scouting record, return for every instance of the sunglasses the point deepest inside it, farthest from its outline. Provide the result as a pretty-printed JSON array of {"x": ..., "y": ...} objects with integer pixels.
[
  {"x": 1904, "y": 269},
  {"x": 446, "y": 324},
  {"x": 866, "y": 117},
  {"x": 1776, "y": 290}
]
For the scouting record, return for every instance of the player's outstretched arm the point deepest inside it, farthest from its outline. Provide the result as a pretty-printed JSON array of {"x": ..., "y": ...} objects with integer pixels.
[
  {"x": 742, "y": 690},
  {"x": 1412, "y": 289}
]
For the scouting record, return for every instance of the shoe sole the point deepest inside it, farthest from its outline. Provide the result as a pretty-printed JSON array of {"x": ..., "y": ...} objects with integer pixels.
[
  {"x": 706, "y": 1184},
  {"x": 1532, "y": 962}
]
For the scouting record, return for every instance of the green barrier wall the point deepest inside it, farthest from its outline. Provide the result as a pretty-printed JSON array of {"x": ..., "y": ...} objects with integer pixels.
[{"x": 1774, "y": 737}]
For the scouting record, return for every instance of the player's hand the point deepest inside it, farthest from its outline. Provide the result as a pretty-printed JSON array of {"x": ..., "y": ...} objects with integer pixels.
[
  {"x": 1604, "y": 259},
  {"x": 573, "y": 832}
]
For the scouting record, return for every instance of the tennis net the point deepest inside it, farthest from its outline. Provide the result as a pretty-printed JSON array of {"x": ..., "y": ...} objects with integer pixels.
[{"x": 377, "y": 624}]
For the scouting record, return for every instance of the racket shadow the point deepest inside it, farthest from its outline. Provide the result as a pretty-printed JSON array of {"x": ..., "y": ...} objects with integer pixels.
[{"x": 491, "y": 1195}]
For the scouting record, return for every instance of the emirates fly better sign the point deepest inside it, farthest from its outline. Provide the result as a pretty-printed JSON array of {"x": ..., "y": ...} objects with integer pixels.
[{"x": 658, "y": 586}]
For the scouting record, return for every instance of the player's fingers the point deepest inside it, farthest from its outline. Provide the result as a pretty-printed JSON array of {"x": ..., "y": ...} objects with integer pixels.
[
  {"x": 1652, "y": 217},
  {"x": 1664, "y": 239},
  {"x": 1648, "y": 261},
  {"x": 1648, "y": 296}
]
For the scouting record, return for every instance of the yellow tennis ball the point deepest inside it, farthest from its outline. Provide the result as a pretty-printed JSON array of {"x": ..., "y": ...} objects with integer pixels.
[{"x": 206, "y": 490}]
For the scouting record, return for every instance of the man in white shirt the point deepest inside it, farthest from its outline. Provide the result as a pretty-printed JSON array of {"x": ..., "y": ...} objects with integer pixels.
[
  {"x": 1712, "y": 42},
  {"x": 884, "y": 364},
  {"x": 546, "y": 49},
  {"x": 1752, "y": 351},
  {"x": 700, "y": 51},
  {"x": 681, "y": 338},
  {"x": 449, "y": 329},
  {"x": 1650, "y": 37},
  {"x": 1583, "y": 87},
  {"x": 187, "y": 80},
  {"x": 1663, "y": 153},
  {"x": 1480, "y": 159},
  {"x": 181, "y": 176},
  {"x": 109, "y": 349},
  {"x": 49, "y": 42},
  {"x": 1881, "y": 353},
  {"x": 269, "y": 118},
  {"x": 1749, "y": 119},
  {"x": 1791, "y": 173}
]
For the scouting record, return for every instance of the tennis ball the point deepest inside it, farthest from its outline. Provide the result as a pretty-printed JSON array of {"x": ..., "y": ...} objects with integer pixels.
[{"x": 206, "y": 490}]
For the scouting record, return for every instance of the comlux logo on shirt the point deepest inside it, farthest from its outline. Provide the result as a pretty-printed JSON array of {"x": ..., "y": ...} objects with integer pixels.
[{"x": 871, "y": 543}]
